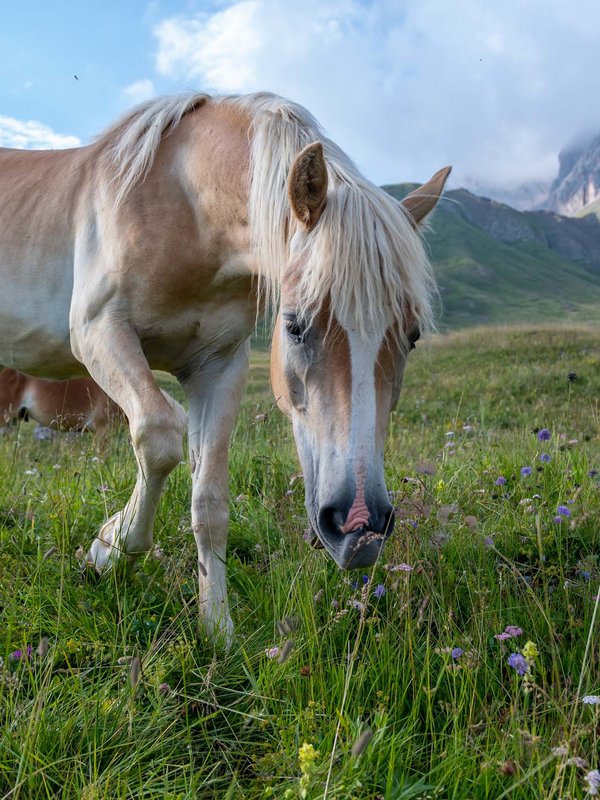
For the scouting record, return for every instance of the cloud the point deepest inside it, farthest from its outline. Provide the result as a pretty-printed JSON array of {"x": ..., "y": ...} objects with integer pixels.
[
  {"x": 496, "y": 89},
  {"x": 33, "y": 135},
  {"x": 139, "y": 91}
]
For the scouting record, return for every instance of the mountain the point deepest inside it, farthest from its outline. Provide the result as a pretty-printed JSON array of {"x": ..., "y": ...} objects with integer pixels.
[
  {"x": 495, "y": 264},
  {"x": 578, "y": 181},
  {"x": 523, "y": 197}
]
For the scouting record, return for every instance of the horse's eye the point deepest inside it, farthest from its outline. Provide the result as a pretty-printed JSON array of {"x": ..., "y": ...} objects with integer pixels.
[
  {"x": 413, "y": 338},
  {"x": 295, "y": 329}
]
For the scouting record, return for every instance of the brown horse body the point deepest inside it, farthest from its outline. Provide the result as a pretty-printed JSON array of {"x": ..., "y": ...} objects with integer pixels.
[{"x": 78, "y": 404}]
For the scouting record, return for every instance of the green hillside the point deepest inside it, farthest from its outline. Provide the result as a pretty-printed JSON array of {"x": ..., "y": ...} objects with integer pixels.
[{"x": 497, "y": 265}]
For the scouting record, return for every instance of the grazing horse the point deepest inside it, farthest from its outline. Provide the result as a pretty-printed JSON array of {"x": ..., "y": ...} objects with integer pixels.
[
  {"x": 151, "y": 247},
  {"x": 78, "y": 404}
]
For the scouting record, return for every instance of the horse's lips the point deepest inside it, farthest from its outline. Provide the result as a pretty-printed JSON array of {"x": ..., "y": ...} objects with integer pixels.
[{"x": 356, "y": 549}]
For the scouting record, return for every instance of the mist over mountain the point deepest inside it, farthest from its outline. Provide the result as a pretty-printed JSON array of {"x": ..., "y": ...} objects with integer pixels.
[{"x": 574, "y": 192}]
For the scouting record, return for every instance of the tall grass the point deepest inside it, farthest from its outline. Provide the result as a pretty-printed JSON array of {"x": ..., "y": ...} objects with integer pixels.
[{"x": 406, "y": 651}]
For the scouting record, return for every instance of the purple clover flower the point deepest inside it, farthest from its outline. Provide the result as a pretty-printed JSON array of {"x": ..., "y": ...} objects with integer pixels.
[
  {"x": 526, "y": 471},
  {"x": 456, "y": 653},
  {"x": 564, "y": 511},
  {"x": 500, "y": 480},
  {"x": 546, "y": 458},
  {"x": 519, "y": 663},
  {"x": 544, "y": 435}
]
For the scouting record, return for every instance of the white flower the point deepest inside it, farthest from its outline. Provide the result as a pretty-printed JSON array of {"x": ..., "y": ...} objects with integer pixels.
[
  {"x": 593, "y": 781},
  {"x": 591, "y": 699}
]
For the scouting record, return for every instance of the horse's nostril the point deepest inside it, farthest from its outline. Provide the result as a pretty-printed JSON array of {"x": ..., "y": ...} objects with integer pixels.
[{"x": 331, "y": 520}]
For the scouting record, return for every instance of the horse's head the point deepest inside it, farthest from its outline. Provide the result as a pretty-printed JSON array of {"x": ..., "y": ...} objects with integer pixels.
[{"x": 337, "y": 365}]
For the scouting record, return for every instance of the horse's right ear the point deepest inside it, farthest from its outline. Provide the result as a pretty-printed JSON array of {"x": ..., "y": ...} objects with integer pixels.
[
  {"x": 307, "y": 185},
  {"x": 420, "y": 202}
]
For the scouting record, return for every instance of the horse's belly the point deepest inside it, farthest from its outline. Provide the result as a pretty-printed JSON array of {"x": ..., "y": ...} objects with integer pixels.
[{"x": 34, "y": 338}]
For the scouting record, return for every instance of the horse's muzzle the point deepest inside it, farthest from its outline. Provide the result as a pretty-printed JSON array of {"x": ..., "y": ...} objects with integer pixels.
[{"x": 355, "y": 549}]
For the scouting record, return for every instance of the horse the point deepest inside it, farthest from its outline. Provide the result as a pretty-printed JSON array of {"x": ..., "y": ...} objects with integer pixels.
[
  {"x": 78, "y": 404},
  {"x": 159, "y": 244}
]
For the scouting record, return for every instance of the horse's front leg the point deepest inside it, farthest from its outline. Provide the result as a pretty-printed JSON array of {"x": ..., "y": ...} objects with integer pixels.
[
  {"x": 214, "y": 395},
  {"x": 113, "y": 355}
]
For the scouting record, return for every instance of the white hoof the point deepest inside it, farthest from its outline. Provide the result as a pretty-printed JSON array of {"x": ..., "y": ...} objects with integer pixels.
[{"x": 105, "y": 552}]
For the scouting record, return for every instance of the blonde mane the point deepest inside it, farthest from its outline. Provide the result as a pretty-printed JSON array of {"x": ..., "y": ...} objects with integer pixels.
[{"x": 364, "y": 254}]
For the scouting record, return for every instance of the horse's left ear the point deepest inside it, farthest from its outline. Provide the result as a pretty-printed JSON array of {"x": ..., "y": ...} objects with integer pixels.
[
  {"x": 420, "y": 202},
  {"x": 307, "y": 184}
]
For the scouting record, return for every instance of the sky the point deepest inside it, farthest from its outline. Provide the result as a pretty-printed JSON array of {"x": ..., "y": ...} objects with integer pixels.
[{"x": 494, "y": 87}]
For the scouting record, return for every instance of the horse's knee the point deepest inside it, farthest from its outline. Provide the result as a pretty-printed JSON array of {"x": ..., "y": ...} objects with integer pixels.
[{"x": 158, "y": 440}]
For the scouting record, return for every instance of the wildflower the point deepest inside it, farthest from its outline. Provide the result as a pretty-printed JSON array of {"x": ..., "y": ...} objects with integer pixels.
[
  {"x": 307, "y": 755},
  {"x": 272, "y": 652},
  {"x": 564, "y": 511},
  {"x": 593, "y": 473},
  {"x": 456, "y": 653},
  {"x": 526, "y": 471},
  {"x": 17, "y": 655},
  {"x": 572, "y": 377},
  {"x": 593, "y": 781},
  {"x": 500, "y": 480},
  {"x": 546, "y": 458},
  {"x": 365, "y": 579},
  {"x": 530, "y": 651},
  {"x": 379, "y": 591},
  {"x": 510, "y": 632},
  {"x": 557, "y": 519},
  {"x": 544, "y": 435},
  {"x": 399, "y": 568},
  {"x": 519, "y": 663},
  {"x": 164, "y": 689},
  {"x": 488, "y": 542},
  {"x": 591, "y": 700},
  {"x": 560, "y": 751}
]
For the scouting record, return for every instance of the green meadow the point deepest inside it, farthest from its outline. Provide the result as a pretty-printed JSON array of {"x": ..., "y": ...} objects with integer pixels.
[{"x": 465, "y": 665}]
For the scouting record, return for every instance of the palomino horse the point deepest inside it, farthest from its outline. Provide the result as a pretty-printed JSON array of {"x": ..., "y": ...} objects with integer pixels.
[
  {"x": 78, "y": 404},
  {"x": 151, "y": 247}
]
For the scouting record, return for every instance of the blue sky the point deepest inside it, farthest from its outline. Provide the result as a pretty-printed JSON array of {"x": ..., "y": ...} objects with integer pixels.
[{"x": 494, "y": 88}]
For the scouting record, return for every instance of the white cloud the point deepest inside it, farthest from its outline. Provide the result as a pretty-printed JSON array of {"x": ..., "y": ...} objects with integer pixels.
[
  {"x": 139, "y": 91},
  {"x": 496, "y": 89},
  {"x": 33, "y": 135}
]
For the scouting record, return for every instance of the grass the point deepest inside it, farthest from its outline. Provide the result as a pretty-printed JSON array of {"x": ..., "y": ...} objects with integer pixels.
[{"x": 84, "y": 721}]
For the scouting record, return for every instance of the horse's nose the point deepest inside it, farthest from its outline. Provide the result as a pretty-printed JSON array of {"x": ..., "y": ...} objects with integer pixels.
[{"x": 359, "y": 547}]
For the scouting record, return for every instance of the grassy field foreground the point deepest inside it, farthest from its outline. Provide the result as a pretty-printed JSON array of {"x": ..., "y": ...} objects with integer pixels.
[{"x": 465, "y": 665}]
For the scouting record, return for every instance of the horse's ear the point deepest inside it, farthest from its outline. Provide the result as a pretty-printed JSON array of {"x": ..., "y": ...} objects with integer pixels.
[
  {"x": 420, "y": 202},
  {"x": 307, "y": 184}
]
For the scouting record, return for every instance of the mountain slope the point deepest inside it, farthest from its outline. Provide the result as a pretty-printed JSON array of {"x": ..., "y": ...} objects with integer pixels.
[
  {"x": 497, "y": 265},
  {"x": 578, "y": 181}
]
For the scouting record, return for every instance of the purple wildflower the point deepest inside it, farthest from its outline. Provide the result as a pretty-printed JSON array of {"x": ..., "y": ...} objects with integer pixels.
[
  {"x": 456, "y": 653},
  {"x": 593, "y": 473},
  {"x": 546, "y": 458},
  {"x": 18, "y": 654},
  {"x": 365, "y": 579},
  {"x": 400, "y": 568},
  {"x": 488, "y": 542},
  {"x": 508, "y": 633},
  {"x": 379, "y": 591},
  {"x": 564, "y": 511},
  {"x": 526, "y": 471},
  {"x": 593, "y": 781},
  {"x": 591, "y": 700},
  {"x": 544, "y": 435},
  {"x": 519, "y": 663},
  {"x": 500, "y": 480},
  {"x": 557, "y": 519},
  {"x": 272, "y": 652}
]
